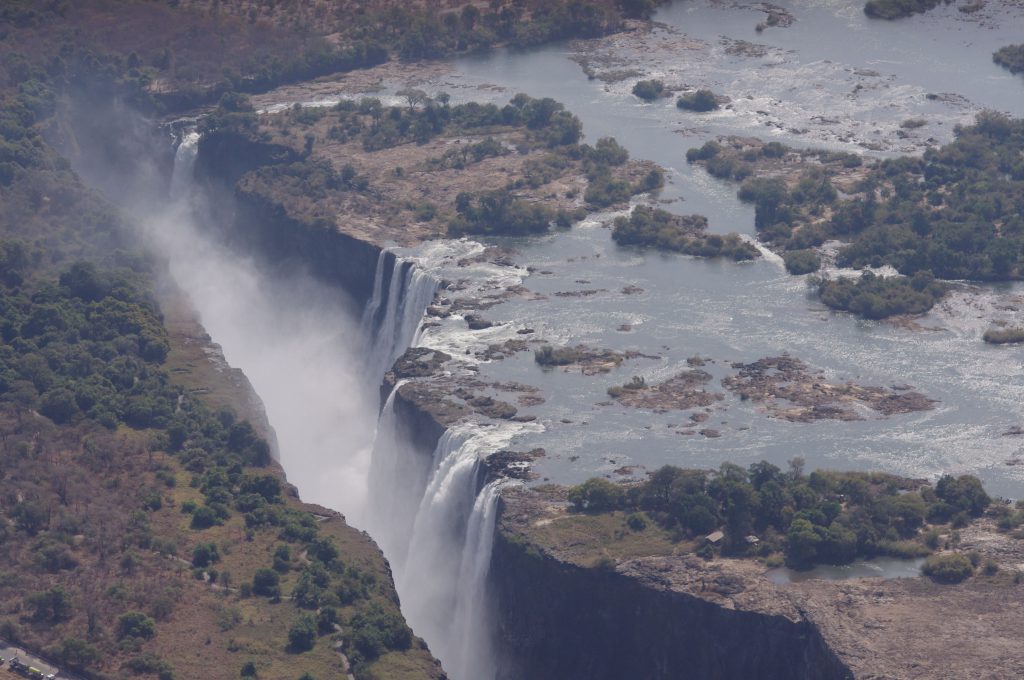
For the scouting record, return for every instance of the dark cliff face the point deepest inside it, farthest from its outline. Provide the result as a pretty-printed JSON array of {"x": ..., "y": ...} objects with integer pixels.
[{"x": 558, "y": 621}]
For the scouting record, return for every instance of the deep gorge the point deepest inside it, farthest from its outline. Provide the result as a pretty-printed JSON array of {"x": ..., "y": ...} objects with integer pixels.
[{"x": 550, "y": 619}]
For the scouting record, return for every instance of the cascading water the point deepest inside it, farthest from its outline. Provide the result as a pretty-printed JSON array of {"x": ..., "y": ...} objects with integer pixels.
[
  {"x": 442, "y": 577},
  {"x": 390, "y": 332},
  {"x": 473, "y": 653},
  {"x": 184, "y": 165},
  {"x": 433, "y": 516}
]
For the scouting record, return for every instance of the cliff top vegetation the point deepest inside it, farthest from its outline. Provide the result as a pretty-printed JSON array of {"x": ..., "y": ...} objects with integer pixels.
[
  {"x": 431, "y": 167},
  {"x": 138, "y": 520},
  {"x": 824, "y": 517}
]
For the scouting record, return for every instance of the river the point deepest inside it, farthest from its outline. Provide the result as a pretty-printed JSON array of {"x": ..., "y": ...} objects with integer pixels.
[{"x": 832, "y": 78}]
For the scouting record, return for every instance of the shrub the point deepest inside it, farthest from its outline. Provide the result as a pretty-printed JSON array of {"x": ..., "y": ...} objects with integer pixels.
[
  {"x": 205, "y": 554},
  {"x": 135, "y": 625},
  {"x": 802, "y": 261},
  {"x": 1003, "y": 336},
  {"x": 700, "y": 101},
  {"x": 373, "y": 631},
  {"x": 204, "y": 517},
  {"x": 636, "y": 521},
  {"x": 302, "y": 635},
  {"x": 649, "y": 90},
  {"x": 266, "y": 582},
  {"x": 897, "y": 9},
  {"x": 51, "y": 606},
  {"x": 1010, "y": 57},
  {"x": 597, "y": 495},
  {"x": 706, "y": 152},
  {"x": 948, "y": 568}
]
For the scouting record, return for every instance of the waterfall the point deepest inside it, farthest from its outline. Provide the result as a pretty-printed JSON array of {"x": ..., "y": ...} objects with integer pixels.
[
  {"x": 431, "y": 513},
  {"x": 388, "y": 334},
  {"x": 474, "y": 653},
  {"x": 184, "y": 164},
  {"x": 441, "y": 576},
  {"x": 397, "y": 476},
  {"x": 370, "y": 313}
]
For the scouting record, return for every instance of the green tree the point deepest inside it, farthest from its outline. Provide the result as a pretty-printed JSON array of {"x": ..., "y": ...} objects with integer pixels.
[
  {"x": 135, "y": 625},
  {"x": 302, "y": 635},
  {"x": 50, "y": 606},
  {"x": 266, "y": 582},
  {"x": 597, "y": 495},
  {"x": 205, "y": 554}
]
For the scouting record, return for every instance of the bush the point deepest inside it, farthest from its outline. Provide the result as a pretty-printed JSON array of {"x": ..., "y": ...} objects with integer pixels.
[
  {"x": 1003, "y": 336},
  {"x": 948, "y": 567},
  {"x": 561, "y": 356},
  {"x": 649, "y": 90},
  {"x": 636, "y": 521},
  {"x": 897, "y": 9},
  {"x": 1010, "y": 57},
  {"x": 205, "y": 554},
  {"x": 135, "y": 625},
  {"x": 679, "y": 233},
  {"x": 204, "y": 517},
  {"x": 302, "y": 635},
  {"x": 877, "y": 297},
  {"x": 374, "y": 631},
  {"x": 597, "y": 495},
  {"x": 802, "y": 261},
  {"x": 266, "y": 582},
  {"x": 50, "y": 606},
  {"x": 498, "y": 212},
  {"x": 700, "y": 101}
]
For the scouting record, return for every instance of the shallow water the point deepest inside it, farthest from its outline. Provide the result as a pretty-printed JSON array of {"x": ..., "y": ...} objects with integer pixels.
[
  {"x": 731, "y": 312},
  {"x": 880, "y": 567}
]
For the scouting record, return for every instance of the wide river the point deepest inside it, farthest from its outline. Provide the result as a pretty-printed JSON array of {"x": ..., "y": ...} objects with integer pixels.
[{"x": 832, "y": 78}]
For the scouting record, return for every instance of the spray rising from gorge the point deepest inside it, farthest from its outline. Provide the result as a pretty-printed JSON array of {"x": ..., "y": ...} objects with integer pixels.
[{"x": 316, "y": 360}]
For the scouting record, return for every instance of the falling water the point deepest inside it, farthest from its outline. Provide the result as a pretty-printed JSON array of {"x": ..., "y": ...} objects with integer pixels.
[
  {"x": 184, "y": 164},
  {"x": 409, "y": 291},
  {"x": 433, "y": 515}
]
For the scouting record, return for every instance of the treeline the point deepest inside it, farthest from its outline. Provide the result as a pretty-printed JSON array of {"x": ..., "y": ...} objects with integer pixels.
[
  {"x": 197, "y": 54},
  {"x": 822, "y": 518},
  {"x": 656, "y": 228}
]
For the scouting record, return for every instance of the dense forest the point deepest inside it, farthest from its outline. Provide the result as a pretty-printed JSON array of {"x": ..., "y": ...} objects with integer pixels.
[
  {"x": 121, "y": 490},
  {"x": 189, "y": 52},
  {"x": 956, "y": 211},
  {"x": 821, "y": 518}
]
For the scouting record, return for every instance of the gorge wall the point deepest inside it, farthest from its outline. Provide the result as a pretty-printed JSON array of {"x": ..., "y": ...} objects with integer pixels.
[{"x": 559, "y": 620}]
